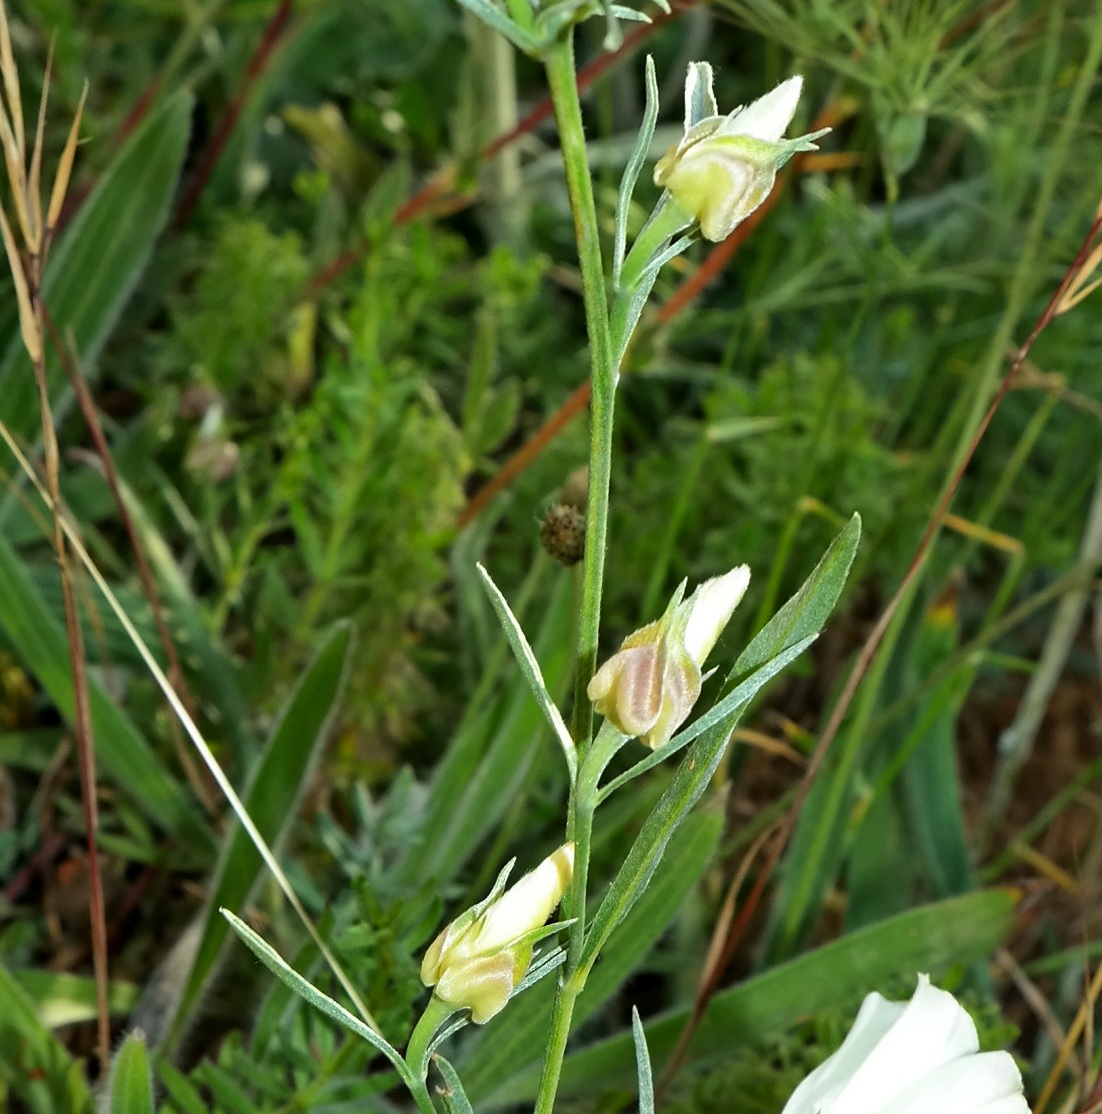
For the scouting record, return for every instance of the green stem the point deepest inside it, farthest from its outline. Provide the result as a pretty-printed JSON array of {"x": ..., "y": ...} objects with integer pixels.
[
  {"x": 561, "y": 1017},
  {"x": 583, "y": 803},
  {"x": 436, "y": 1013},
  {"x": 562, "y": 81}
]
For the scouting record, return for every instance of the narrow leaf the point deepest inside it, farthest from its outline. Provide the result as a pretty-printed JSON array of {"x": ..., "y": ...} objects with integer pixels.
[
  {"x": 631, "y": 171},
  {"x": 310, "y": 993},
  {"x": 131, "y": 1086},
  {"x": 455, "y": 1098},
  {"x": 642, "y": 1064},
  {"x": 807, "y": 611},
  {"x": 531, "y": 670},
  {"x": 500, "y": 22},
  {"x": 271, "y": 798}
]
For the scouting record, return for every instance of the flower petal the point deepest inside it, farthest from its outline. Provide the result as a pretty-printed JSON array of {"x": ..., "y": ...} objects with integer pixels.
[
  {"x": 710, "y": 609},
  {"x": 700, "y": 101},
  {"x": 528, "y": 903},
  {"x": 768, "y": 116},
  {"x": 987, "y": 1083},
  {"x": 933, "y": 1030},
  {"x": 818, "y": 1091}
]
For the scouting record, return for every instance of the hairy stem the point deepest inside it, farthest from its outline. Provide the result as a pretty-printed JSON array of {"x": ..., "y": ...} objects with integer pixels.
[{"x": 562, "y": 81}]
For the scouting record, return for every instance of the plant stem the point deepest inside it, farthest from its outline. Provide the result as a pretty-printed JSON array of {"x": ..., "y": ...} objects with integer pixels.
[
  {"x": 436, "y": 1013},
  {"x": 583, "y": 803},
  {"x": 562, "y": 80}
]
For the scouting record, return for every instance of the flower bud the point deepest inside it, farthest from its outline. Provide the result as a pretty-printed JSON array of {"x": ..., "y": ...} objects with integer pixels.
[
  {"x": 918, "y": 1057},
  {"x": 724, "y": 166},
  {"x": 477, "y": 961},
  {"x": 649, "y": 686}
]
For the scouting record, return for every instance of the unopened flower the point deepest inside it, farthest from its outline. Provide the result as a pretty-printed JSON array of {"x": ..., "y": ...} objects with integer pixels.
[
  {"x": 723, "y": 167},
  {"x": 649, "y": 686},
  {"x": 477, "y": 961},
  {"x": 916, "y": 1057}
]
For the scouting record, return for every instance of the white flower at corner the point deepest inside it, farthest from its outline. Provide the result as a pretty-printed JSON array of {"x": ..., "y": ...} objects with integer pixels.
[
  {"x": 916, "y": 1057},
  {"x": 723, "y": 167}
]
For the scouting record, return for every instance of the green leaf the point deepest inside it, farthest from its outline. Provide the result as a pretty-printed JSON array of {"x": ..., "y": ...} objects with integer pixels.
[
  {"x": 530, "y": 670},
  {"x": 100, "y": 257},
  {"x": 806, "y": 613},
  {"x": 131, "y": 1086},
  {"x": 123, "y": 754},
  {"x": 500, "y": 22},
  {"x": 34, "y": 1066},
  {"x": 455, "y": 1098},
  {"x": 631, "y": 171},
  {"x": 271, "y": 799},
  {"x": 642, "y": 1064},
  {"x": 832, "y": 978},
  {"x": 322, "y": 1002}
]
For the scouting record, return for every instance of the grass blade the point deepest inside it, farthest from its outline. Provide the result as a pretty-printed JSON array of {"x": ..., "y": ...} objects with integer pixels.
[
  {"x": 271, "y": 798},
  {"x": 98, "y": 261},
  {"x": 131, "y": 1085}
]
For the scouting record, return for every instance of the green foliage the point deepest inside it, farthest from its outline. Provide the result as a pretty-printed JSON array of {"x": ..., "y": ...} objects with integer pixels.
[
  {"x": 295, "y": 447},
  {"x": 229, "y": 325}
]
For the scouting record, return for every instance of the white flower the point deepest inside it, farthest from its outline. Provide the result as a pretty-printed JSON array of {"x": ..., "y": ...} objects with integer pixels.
[
  {"x": 649, "y": 686},
  {"x": 476, "y": 962},
  {"x": 916, "y": 1057},
  {"x": 723, "y": 167},
  {"x": 710, "y": 609}
]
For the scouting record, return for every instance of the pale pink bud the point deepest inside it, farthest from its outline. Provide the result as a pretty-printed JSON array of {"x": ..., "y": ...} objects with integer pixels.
[{"x": 647, "y": 689}]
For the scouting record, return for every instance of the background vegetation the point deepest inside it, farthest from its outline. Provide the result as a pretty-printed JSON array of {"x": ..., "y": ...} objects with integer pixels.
[{"x": 317, "y": 272}]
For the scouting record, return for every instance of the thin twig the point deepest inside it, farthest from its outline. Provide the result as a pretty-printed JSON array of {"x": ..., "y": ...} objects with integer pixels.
[
  {"x": 224, "y": 129},
  {"x": 66, "y": 353}
]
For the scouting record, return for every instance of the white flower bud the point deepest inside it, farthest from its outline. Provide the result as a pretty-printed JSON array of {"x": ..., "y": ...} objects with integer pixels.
[
  {"x": 917, "y": 1057},
  {"x": 476, "y": 962},
  {"x": 723, "y": 167}
]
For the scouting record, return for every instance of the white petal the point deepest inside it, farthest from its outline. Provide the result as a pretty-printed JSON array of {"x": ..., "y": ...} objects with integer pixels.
[
  {"x": 711, "y": 607},
  {"x": 986, "y": 1083},
  {"x": 700, "y": 101},
  {"x": 818, "y": 1091},
  {"x": 933, "y": 1030},
  {"x": 768, "y": 116},
  {"x": 528, "y": 904}
]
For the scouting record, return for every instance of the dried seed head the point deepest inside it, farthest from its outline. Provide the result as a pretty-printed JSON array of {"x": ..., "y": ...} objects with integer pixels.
[{"x": 562, "y": 534}]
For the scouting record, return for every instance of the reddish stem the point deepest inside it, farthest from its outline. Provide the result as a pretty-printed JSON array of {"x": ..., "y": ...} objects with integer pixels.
[{"x": 216, "y": 145}]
